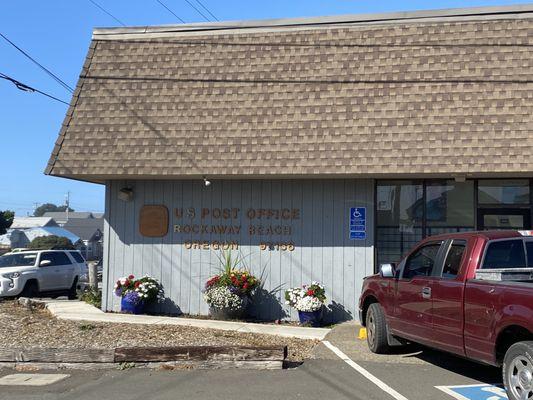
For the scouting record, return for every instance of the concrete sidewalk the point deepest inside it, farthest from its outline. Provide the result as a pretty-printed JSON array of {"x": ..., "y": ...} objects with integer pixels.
[{"x": 81, "y": 311}]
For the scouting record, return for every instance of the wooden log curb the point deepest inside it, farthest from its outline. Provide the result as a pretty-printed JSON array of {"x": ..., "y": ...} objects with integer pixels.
[{"x": 172, "y": 357}]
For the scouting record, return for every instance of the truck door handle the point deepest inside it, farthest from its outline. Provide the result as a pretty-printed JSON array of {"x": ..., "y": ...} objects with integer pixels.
[{"x": 426, "y": 292}]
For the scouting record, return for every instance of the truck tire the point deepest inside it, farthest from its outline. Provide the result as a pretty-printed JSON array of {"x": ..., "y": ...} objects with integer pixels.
[
  {"x": 376, "y": 327},
  {"x": 72, "y": 293},
  {"x": 31, "y": 289},
  {"x": 518, "y": 371}
]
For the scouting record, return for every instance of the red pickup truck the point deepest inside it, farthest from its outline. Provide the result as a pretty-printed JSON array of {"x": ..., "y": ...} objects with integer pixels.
[{"x": 470, "y": 294}]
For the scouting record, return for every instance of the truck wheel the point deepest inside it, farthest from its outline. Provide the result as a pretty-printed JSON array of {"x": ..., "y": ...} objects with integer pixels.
[
  {"x": 72, "y": 294},
  {"x": 376, "y": 327},
  {"x": 30, "y": 289},
  {"x": 518, "y": 371}
]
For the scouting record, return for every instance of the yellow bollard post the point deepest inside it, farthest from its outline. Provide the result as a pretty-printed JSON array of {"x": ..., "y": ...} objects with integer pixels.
[{"x": 362, "y": 334}]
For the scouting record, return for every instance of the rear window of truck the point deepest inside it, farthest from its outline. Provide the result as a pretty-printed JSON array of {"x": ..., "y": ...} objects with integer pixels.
[{"x": 505, "y": 254}]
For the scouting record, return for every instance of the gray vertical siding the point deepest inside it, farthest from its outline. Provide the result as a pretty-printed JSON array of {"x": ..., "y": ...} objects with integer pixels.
[{"x": 323, "y": 249}]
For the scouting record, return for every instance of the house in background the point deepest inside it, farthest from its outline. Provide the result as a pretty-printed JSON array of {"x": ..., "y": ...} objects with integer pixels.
[
  {"x": 20, "y": 238},
  {"x": 90, "y": 231},
  {"x": 32, "y": 222},
  {"x": 61, "y": 217}
]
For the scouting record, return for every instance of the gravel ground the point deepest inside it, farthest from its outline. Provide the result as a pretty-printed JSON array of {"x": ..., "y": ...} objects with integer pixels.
[{"x": 20, "y": 327}]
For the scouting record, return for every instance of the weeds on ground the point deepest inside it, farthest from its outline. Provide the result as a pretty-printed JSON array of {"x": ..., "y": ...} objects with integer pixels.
[
  {"x": 91, "y": 296},
  {"x": 126, "y": 365},
  {"x": 86, "y": 327}
]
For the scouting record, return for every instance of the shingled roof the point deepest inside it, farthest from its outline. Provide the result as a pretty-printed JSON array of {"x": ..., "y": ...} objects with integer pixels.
[{"x": 436, "y": 93}]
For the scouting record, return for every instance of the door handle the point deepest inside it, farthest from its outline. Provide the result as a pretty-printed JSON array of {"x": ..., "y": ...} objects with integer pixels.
[{"x": 426, "y": 292}]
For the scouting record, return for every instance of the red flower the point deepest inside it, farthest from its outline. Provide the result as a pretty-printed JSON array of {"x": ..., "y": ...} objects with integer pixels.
[
  {"x": 137, "y": 284},
  {"x": 131, "y": 277},
  {"x": 245, "y": 286},
  {"x": 310, "y": 292}
]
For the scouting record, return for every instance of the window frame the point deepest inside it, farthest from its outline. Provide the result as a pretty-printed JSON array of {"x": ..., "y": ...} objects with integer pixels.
[
  {"x": 487, "y": 245},
  {"x": 436, "y": 266},
  {"x": 448, "y": 246}
]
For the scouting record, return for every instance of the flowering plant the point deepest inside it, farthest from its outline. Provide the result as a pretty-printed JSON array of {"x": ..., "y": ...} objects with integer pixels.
[
  {"x": 306, "y": 298},
  {"x": 223, "y": 297},
  {"x": 227, "y": 289},
  {"x": 145, "y": 289}
]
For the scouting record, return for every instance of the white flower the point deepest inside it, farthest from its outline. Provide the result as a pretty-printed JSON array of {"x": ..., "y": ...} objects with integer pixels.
[{"x": 222, "y": 297}]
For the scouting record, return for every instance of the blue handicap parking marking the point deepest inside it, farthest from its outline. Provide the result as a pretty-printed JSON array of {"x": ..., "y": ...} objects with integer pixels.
[{"x": 475, "y": 392}]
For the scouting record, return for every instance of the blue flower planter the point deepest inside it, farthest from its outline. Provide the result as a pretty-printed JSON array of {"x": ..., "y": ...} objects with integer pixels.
[
  {"x": 310, "y": 318},
  {"x": 129, "y": 307}
]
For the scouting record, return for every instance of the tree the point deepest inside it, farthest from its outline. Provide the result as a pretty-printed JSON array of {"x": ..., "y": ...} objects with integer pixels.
[
  {"x": 6, "y": 219},
  {"x": 49, "y": 207},
  {"x": 51, "y": 242}
]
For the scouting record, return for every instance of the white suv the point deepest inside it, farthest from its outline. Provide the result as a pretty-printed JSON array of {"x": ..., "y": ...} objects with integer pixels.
[{"x": 29, "y": 273}]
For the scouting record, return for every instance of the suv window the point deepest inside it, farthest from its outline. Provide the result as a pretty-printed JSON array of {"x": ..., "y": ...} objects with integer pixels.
[
  {"x": 452, "y": 264},
  {"x": 505, "y": 254},
  {"x": 77, "y": 256},
  {"x": 422, "y": 261},
  {"x": 56, "y": 258}
]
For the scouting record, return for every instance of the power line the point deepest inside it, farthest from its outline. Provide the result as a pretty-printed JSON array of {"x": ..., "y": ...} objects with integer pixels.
[
  {"x": 27, "y": 88},
  {"x": 170, "y": 11},
  {"x": 55, "y": 77},
  {"x": 206, "y": 9},
  {"x": 107, "y": 12},
  {"x": 197, "y": 10}
]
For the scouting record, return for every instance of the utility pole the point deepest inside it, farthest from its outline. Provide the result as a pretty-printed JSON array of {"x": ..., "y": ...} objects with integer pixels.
[
  {"x": 35, "y": 205},
  {"x": 67, "y": 203}
]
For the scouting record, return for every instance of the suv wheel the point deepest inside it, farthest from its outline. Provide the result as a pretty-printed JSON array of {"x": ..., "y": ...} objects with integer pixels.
[
  {"x": 72, "y": 293},
  {"x": 518, "y": 371},
  {"x": 376, "y": 327},
  {"x": 31, "y": 289}
]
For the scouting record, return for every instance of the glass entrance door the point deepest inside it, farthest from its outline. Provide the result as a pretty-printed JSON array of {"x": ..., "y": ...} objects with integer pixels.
[{"x": 503, "y": 218}]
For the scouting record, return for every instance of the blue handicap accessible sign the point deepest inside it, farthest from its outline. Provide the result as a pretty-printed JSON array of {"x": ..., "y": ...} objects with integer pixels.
[
  {"x": 475, "y": 392},
  {"x": 358, "y": 223}
]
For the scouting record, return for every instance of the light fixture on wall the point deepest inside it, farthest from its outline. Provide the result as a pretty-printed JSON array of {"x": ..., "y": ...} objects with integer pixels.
[
  {"x": 125, "y": 194},
  {"x": 207, "y": 182},
  {"x": 460, "y": 178}
]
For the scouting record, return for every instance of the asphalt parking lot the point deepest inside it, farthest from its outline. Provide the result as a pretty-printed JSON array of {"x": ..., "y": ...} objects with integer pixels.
[{"x": 414, "y": 373}]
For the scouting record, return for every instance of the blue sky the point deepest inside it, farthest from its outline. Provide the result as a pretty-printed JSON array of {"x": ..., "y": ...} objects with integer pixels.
[{"x": 57, "y": 33}]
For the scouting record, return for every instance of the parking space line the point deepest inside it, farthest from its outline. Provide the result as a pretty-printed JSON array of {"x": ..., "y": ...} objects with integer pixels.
[{"x": 375, "y": 380}]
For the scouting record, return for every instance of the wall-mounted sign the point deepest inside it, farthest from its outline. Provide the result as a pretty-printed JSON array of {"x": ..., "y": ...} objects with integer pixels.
[
  {"x": 358, "y": 223},
  {"x": 153, "y": 221},
  {"x": 271, "y": 227}
]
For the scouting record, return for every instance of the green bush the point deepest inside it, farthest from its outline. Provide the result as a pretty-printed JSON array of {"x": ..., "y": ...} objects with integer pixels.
[
  {"x": 91, "y": 296},
  {"x": 51, "y": 242}
]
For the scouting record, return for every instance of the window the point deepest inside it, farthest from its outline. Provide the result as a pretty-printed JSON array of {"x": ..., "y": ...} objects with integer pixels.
[
  {"x": 452, "y": 264},
  {"x": 449, "y": 204},
  {"x": 529, "y": 248},
  {"x": 422, "y": 261},
  {"x": 399, "y": 218},
  {"x": 18, "y": 260},
  {"x": 56, "y": 258},
  {"x": 505, "y": 254},
  {"x": 503, "y": 191},
  {"x": 77, "y": 256}
]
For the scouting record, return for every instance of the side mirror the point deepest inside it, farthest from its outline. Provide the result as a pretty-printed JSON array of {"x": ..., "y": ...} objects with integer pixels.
[
  {"x": 387, "y": 270},
  {"x": 45, "y": 263}
]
